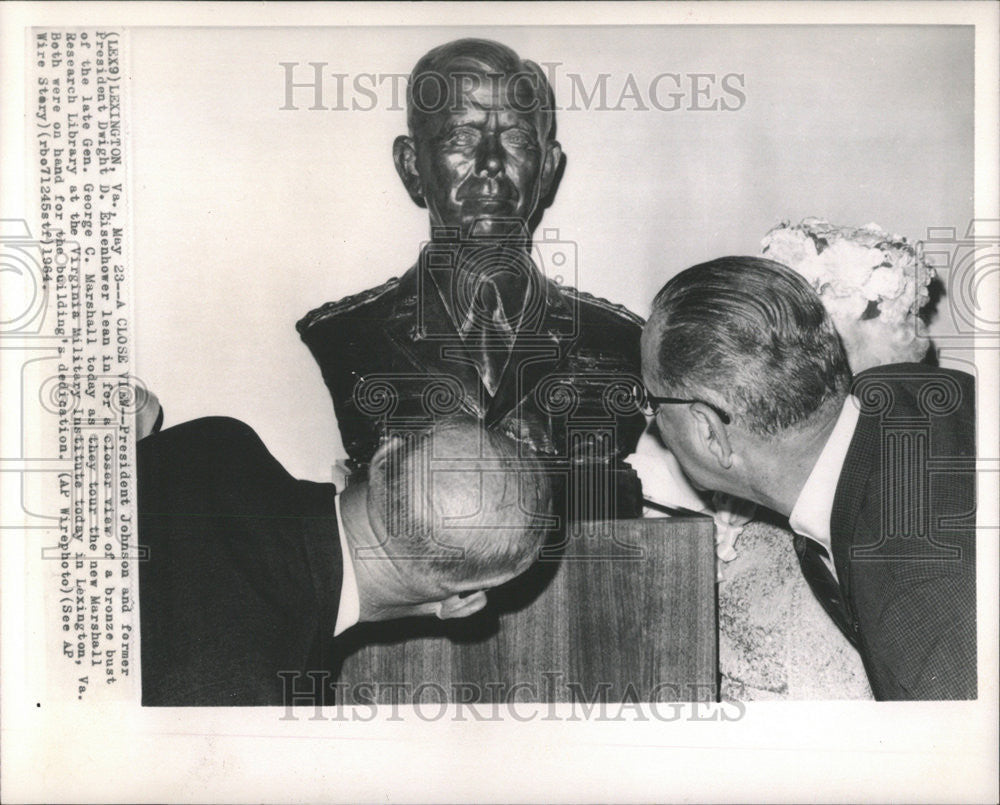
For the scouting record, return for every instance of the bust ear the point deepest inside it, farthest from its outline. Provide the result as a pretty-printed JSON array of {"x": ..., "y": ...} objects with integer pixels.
[
  {"x": 404, "y": 155},
  {"x": 550, "y": 167},
  {"x": 456, "y": 606}
]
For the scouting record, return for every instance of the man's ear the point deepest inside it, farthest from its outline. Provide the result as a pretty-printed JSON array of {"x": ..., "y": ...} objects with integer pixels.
[
  {"x": 458, "y": 607},
  {"x": 713, "y": 434},
  {"x": 389, "y": 446},
  {"x": 550, "y": 167},
  {"x": 404, "y": 155}
]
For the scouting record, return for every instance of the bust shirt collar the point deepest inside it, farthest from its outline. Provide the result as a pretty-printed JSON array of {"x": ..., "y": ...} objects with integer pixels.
[
  {"x": 350, "y": 604},
  {"x": 811, "y": 514},
  {"x": 463, "y": 322}
]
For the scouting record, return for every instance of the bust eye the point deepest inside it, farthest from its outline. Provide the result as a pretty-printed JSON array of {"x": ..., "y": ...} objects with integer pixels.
[
  {"x": 463, "y": 137},
  {"x": 517, "y": 138}
]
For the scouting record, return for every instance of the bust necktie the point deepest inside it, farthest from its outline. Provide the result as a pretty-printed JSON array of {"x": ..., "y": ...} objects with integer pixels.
[{"x": 491, "y": 335}]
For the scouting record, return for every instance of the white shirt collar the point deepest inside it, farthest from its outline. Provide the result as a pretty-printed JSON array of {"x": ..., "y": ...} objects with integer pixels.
[
  {"x": 813, "y": 509},
  {"x": 350, "y": 604}
]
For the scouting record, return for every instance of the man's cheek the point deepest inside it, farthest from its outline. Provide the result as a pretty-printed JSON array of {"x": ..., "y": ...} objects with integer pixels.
[
  {"x": 454, "y": 172},
  {"x": 697, "y": 483},
  {"x": 522, "y": 169},
  {"x": 689, "y": 467}
]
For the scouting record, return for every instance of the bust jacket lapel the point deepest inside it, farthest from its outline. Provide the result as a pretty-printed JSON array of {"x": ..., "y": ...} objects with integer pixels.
[
  {"x": 422, "y": 329},
  {"x": 540, "y": 348}
]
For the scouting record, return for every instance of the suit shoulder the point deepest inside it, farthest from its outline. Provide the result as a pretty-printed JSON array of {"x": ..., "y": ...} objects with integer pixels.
[
  {"x": 359, "y": 304},
  {"x": 912, "y": 375},
  {"x": 607, "y": 310},
  {"x": 205, "y": 432},
  {"x": 916, "y": 388},
  {"x": 913, "y": 370}
]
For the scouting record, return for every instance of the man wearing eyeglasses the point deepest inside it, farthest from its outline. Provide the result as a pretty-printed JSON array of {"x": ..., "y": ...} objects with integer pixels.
[{"x": 753, "y": 394}]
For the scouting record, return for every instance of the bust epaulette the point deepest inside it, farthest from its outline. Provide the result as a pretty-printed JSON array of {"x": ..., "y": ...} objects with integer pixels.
[
  {"x": 620, "y": 311},
  {"x": 345, "y": 305}
]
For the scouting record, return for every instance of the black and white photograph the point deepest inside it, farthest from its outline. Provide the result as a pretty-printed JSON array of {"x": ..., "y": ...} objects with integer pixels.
[{"x": 592, "y": 379}]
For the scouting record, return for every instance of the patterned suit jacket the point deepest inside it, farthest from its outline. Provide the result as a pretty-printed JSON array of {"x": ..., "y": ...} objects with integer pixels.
[
  {"x": 903, "y": 534},
  {"x": 393, "y": 360}
]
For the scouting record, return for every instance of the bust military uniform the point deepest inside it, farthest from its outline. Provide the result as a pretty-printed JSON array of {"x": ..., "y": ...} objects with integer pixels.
[{"x": 393, "y": 360}]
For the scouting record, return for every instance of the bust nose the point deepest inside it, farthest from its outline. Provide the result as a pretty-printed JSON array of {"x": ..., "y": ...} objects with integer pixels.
[{"x": 490, "y": 157}]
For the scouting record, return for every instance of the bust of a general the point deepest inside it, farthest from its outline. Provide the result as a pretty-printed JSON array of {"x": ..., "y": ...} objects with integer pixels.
[{"x": 476, "y": 324}]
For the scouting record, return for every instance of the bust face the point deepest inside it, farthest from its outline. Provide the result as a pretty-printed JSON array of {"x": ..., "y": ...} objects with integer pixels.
[{"x": 481, "y": 160}]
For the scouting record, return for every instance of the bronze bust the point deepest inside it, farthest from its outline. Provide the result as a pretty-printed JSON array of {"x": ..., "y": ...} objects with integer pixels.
[{"x": 482, "y": 321}]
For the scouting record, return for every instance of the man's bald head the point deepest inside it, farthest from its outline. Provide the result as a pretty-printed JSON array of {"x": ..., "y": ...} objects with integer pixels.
[{"x": 459, "y": 501}]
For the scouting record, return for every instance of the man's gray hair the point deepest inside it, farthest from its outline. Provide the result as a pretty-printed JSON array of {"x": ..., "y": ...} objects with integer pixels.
[
  {"x": 461, "y": 499},
  {"x": 431, "y": 88},
  {"x": 749, "y": 335}
]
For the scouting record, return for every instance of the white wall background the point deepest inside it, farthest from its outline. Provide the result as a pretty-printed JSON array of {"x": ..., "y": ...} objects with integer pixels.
[{"x": 247, "y": 216}]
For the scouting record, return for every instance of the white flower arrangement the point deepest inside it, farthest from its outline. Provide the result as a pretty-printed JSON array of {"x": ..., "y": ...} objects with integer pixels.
[{"x": 872, "y": 283}]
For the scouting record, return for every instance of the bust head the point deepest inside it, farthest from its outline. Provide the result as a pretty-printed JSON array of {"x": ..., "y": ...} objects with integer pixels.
[
  {"x": 445, "y": 514},
  {"x": 480, "y": 154}
]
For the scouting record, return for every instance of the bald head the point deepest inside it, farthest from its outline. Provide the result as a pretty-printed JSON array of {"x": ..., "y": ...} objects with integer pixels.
[{"x": 459, "y": 501}]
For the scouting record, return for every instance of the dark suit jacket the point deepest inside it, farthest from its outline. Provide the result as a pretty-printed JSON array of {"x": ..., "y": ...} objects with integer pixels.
[
  {"x": 903, "y": 534},
  {"x": 392, "y": 358},
  {"x": 244, "y": 569}
]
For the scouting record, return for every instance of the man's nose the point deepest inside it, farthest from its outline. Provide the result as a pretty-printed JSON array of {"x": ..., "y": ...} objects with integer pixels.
[{"x": 489, "y": 160}]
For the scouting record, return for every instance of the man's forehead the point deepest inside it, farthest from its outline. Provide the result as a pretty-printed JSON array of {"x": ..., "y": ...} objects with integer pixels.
[
  {"x": 495, "y": 87},
  {"x": 462, "y": 90}
]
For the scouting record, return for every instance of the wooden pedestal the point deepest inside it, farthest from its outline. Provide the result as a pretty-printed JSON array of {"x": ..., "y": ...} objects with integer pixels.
[{"x": 621, "y": 610}]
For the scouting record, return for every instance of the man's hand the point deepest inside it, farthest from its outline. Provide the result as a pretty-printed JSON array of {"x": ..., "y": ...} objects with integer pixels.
[
  {"x": 147, "y": 412},
  {"x": 731, "y": 514},
  {"x": 664, "y": 483}
]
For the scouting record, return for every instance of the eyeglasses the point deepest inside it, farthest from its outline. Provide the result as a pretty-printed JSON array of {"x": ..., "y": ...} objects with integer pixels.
[{"x": 650, "y": 403}]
